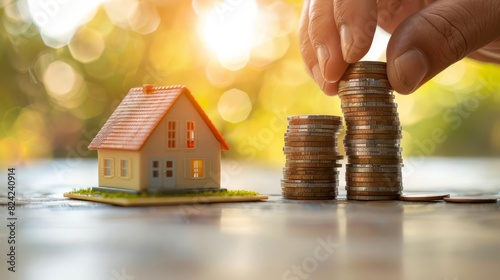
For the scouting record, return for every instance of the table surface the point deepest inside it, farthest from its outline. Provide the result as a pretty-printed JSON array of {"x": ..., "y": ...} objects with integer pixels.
[{"x": 59, "y": 238}]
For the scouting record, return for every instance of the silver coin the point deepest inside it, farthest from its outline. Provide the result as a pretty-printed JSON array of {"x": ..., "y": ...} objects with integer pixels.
[
  {"x": 372, "y": 198},
  {"x": 368, "y": 146},
  {"x": 366, "y": 82},
  {"x": 373, "y": 165},
  {"x": 317, "y": 130},
  {"x": 316, "y": 117},
  {"x": 309, "y": 185},
  {"x": 376, "y": 127},
  {"x": 372, "y": 141},
  {"x": 373, "y": 189},
  {"x": 374, "y": 150},
  {"x": 373, "y": 170},
  {"x": 362, "y": 90},
  {"x": 369, "y": 104},
  {"x": 311, "y": 134},
  {"x": 373, "y": 153},
  {"x": 311, "y": 126},
  {"x": 309, "y": 149}
]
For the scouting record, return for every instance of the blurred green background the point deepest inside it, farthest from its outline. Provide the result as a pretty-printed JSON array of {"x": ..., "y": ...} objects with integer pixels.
[{"x": 66, "y": 65}]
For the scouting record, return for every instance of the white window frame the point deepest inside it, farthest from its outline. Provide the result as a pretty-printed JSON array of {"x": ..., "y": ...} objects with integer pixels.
[
  {"x": 111, "y": 167},
  {"x": 127, "y": 167}
]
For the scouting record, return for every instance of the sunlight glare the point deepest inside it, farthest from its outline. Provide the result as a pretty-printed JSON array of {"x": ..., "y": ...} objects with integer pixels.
[
  {"x": 58, "y": 20},
  {"x": 228, "y": 30}
]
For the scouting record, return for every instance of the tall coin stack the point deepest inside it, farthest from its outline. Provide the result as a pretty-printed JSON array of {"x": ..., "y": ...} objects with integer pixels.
[
  {"x": 311, "y": 157},
  {"x": 373, "y": 135}
]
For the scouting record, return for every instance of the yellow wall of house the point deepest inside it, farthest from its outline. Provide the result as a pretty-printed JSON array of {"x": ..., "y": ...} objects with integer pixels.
[
  {"x": 115, "y": 181},
  {"x": 207, "y": 147}
]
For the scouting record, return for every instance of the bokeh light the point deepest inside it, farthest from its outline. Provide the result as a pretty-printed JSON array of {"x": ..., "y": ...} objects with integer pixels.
[
  {"x": 234, "y": 106},
  {"x": 87, "y": 45}
]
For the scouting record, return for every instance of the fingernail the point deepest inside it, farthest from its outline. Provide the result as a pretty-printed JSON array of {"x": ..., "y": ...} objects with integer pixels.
[
  {"x": 323, "y": 57},
  {"x": 346, "y": 43},
  {"x": 411, "y": 68}
]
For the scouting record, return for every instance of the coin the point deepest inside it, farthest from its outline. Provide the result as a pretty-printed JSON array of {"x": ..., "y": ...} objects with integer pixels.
[
  {"x": 364, "y": 90},
  {"x": 365, "y": 82},
  {"x": 295, "y": 171},
  {"x": 310, "y": 144},
  {"x": 372, "y": 197},
  {"x": 374, "y": 161},
  {"x": 394, "y": 136},
  {"x": 423, "y": 197},
  {"x": 310, "y": 138},
  {"x": 368, "y": 104},
  {"x": 372, "y": 153},
  {"x": 470, "y": 200},
  {"x": 355, "y": 118},
  {"x": 373, "y": 189},
  {"x": 375, "y": 184},
  {"x": 314, "y": 117},
  {"x": 308, "y": 184},
  {"x": 350, "y": 193},
  {"x": 372, "y": 142},
  {"x": 392, "y": 113},
  {"x": 352, "y": 170},
  {"x": 287, "y": 196},
  {"x": 370, "y": 109}
]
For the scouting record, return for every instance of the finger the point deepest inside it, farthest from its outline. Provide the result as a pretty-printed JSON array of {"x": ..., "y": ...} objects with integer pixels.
[
  {"x": 306, "y": 49},
  {"x": 392, "y": 12},
  {"x": 438, "y": 36},
  {"x": 356, "y": 21},
  {"x": 325, "y": 40},
  {"x": 309, "y": 54}
]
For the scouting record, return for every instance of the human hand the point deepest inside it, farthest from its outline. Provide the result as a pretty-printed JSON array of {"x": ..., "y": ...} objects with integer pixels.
[{"x": 428, "y": 36}]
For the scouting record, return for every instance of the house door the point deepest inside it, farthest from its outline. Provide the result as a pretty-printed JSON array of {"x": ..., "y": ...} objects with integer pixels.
[
  {"x": 154, "y": 175},
  {"x": 168, "y": 174},
  {"x": 161, "y": 174}
]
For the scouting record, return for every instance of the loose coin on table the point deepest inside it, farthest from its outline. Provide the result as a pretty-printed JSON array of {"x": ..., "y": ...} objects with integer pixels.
[
  {"x": 423, "y": 197},
  {"x": 470, "y": 200}
]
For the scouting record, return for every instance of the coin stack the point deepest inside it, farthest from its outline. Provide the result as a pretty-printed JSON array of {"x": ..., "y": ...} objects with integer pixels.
[
  {"x": 373, "y": 133},
  {"x": 311, "y": 157}
]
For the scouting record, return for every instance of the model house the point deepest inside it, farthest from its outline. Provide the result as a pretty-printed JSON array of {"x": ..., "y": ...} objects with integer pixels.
[{"x": 159, "y": 140}]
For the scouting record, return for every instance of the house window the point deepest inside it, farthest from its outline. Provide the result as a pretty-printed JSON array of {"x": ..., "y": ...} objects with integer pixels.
[
  {"x": 171, "y": 134},
  {"x": 124, "y": 168},
  {"x": 108, "y": 167},
  {"x": 190, "y": 134},
  {"x": 169, "y": 169},
  {"x": 197, "y": 168},
  {"x": 156, "y": 169}
]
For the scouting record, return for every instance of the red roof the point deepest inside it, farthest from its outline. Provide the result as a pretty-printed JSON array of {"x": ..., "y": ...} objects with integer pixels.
[{"x": 139, "y": 113}]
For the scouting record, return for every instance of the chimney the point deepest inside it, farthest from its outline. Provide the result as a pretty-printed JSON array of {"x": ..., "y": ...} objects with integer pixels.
[{"x": 148, "y": 88}]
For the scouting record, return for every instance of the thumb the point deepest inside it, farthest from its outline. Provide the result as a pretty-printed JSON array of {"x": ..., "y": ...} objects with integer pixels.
[{"x": 439, "y": 35}]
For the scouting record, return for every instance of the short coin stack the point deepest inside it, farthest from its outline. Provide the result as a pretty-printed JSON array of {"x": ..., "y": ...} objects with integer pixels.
[
  {"x": 311, "y": 157},
  {"x": 373, "y": 135}
]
